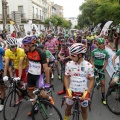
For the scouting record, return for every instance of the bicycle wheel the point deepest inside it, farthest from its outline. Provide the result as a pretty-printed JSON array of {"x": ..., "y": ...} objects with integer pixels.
[
  {"x": 46, "y": 111},
  {"x": 10, "y": 109},
  {"x": 75, "y": 116},
  {"x": 62, "y": 72},
  {"x": 113, "y": 100}
]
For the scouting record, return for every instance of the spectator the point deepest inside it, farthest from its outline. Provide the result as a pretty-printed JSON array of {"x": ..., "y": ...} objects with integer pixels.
[
  {"x": 116, "y": 40},
  {"x": 13, "y": 34}
]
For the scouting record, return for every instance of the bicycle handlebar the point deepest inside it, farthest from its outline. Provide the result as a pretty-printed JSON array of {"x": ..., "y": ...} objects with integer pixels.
[{"x": 75, "y": 97}]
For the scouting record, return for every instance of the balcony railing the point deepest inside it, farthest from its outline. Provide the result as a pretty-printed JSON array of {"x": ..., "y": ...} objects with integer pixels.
[{"x": 37, "y": 17}]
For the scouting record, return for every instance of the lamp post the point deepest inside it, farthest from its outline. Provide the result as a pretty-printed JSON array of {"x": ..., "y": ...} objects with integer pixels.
[{"x": 4, "y": 12}]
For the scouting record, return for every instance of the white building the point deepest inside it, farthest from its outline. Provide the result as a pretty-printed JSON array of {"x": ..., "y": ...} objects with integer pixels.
[
  {"x": 73, "y": 20},
  {"x": 31, "y": 13}
]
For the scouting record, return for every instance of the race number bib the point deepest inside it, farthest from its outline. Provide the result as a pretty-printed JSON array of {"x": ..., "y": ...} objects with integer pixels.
[{"x": 34, "y": 68}]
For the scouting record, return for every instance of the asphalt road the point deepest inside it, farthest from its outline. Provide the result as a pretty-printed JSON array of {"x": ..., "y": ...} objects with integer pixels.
[{"x": 99, "y": 111}]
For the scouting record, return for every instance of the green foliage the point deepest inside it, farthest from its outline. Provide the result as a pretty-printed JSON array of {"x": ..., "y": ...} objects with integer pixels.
[
  {"x": 58, "y": 21},
  {"x": 95, "y": 11}
]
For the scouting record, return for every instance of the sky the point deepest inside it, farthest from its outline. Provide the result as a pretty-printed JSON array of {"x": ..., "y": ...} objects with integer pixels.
[{"x": 71, "y": 7}]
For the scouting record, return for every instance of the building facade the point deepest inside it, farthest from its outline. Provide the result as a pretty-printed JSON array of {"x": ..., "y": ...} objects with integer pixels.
[
  {"x": 31, "y": 12},
  {"x": 73, "y": 20},
  {"x": 59, "y": 10}
]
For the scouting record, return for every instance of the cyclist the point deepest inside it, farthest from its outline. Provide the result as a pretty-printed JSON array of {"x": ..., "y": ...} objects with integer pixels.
[
  {"x": 64, "y": 58},
  {"x": 79, "y": 72},
  {"x": 116, "y": 76},
  {"x": 51, "y": 46},
  {"x": 18, "y": 56},
  {"x": 100, "y": 60},
  {"x": 2, "y": 87},
  {"x": 49, "y": 56},
  {"x": 36, "y": 60}
]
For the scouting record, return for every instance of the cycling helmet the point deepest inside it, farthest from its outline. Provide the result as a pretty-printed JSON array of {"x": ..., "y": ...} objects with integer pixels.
[
  {"x": 78, "y": 37},
  {"x": 49, "y": 36},
  {"x": 101, "y": 40},
  {"x": 11, "y": 41},
  {"x": 52, "y": 34},
  {"x": 83, "y": 40},
  {"x": 29, "y": 40},
  {"x": 77, "y": 48},
  {"x": 28, "y": 32},
  {"x": 70, "y": 39},
  {"x": 60, "y": 33}
]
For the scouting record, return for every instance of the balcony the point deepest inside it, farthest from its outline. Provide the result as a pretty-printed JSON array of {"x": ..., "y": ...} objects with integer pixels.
[{"x": 37, "y": 17}]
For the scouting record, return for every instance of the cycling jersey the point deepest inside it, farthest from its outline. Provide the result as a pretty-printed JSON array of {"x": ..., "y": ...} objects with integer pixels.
[
  {"x": 100, "y": 56},
  {"x": 1, "y": 54},
  {"x": 36, "y": 58},
  {"x": 78, "y": 75},
  {"x": 90, "y": 37},
  {"x": 55, "y": 41},
  {"x": 49, "y": 55},
  {"x": 64, "y": 52},
  {"x": 50, "y": 45},
  {"x": 16, "y": 56},
  {"x": 118, "y": 52}
]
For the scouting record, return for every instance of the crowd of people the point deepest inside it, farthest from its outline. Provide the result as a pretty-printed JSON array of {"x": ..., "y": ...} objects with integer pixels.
[{"x": 34, "y": 54}]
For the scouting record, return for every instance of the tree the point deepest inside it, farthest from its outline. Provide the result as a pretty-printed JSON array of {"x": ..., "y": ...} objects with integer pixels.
[{"x": 96, "y": 11}]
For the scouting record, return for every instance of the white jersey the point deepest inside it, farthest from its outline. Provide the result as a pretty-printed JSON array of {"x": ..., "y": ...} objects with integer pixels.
[{"x": 79, "y": 75}]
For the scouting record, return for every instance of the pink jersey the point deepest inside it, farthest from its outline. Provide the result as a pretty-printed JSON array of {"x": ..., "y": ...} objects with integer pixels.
[
  {"x": 55, "y": 41},
  {"x": 50, "y": 46},
  {"x": 64, "y": 53}
]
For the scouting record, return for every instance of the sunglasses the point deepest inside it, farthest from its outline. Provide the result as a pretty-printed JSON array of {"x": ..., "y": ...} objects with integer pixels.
[
  {"x": 25, "y": 45},
  {"x": 13, "y": 46},
  {"x": 73, "y": 55}
]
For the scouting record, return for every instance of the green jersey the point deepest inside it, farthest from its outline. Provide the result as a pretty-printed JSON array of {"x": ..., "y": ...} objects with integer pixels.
[
  {"x": 118, "y": 52},
  {"x": 49, "y": 55},
  {"x": 100, "y": 56}
]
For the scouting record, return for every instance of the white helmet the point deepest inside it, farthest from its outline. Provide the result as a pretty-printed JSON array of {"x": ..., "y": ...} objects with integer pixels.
[
  {"x": 11, "y": 41},
  {"x": 77, "y": 48}
]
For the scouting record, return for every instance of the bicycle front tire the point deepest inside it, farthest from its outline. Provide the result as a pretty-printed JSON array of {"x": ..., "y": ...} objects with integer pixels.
[
  {"x": 11, "y": 109},
  {"x": 113, "y": 99},
  {"x": 46, "y": 111},
  {"x": 75, "y": 116}
]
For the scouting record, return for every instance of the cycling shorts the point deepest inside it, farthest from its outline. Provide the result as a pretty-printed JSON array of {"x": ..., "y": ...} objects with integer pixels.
[
  {"x": 1, "y": 77},
  {"x": 83, "y": 103},
  {"x": 23, "y": 77},
  {"x": 101, "y": 76},
  {"x": 32, "y": 80}
]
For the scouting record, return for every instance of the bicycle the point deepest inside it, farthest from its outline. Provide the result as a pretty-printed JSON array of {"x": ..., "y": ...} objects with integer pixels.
[
  {"x": 64, "y": 61},
  {"x": 11, "y": 109},
  {"x": 96, "y": 84},
  {"x": 88, "y": 54},
  {"x": 46, "y": 110},
  {"x": 76, "y": 106},
  {"x": 113, "y": 97},
  {"x": 62, "y": 69}
]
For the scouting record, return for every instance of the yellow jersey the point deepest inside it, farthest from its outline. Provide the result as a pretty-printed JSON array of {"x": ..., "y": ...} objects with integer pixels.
[
  {"x": 90, "y": 37},
  {"x": 15, "y": 57}
]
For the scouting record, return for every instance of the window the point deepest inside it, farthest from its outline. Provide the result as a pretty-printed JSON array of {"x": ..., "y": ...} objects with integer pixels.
[
  {"x": 20, "y": 9},
  {"x": 37, "y": 12},
  {"x": 40, "y": 14},
  {"x": 33, "y": 11}
]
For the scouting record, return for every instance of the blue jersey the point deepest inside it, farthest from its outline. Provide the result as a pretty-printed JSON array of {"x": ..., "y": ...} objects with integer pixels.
[{"x": 1, "y": 54}]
